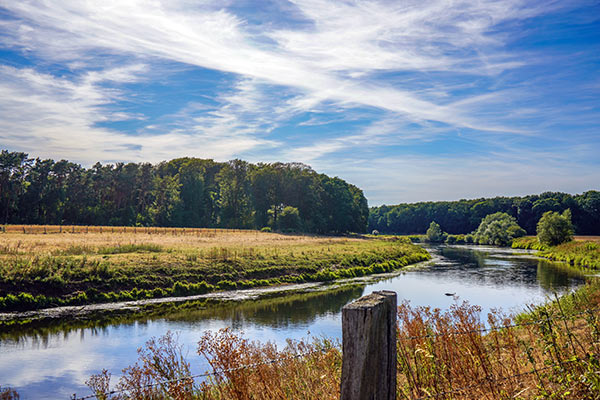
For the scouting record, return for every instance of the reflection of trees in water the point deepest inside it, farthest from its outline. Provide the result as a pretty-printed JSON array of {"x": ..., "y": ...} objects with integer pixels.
[
  {"x": 465, "y": 256},
  {"x": 554, "y": 276},
  {"x": 486, "y": 267},
  {"x": 278, "y": 312}
]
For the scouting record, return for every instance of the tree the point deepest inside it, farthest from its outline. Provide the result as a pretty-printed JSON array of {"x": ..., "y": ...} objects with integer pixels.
[
  {"x": 167, "y": 203},
  {"x": 434, "y": 233},
  {"x": 289, "y": 219},
  {"x": 554, "y": 228},
  {"x": 234, "y": 195},
  {"x": 498, "y": 229},
  {"x": 13, "y": 168}
]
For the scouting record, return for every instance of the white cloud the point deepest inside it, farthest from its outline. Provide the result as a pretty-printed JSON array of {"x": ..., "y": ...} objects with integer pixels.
[
  {"x": 327, "y": 61},
  {"x": 45, "y": 116},
  {"x": 343, "y": 57}
]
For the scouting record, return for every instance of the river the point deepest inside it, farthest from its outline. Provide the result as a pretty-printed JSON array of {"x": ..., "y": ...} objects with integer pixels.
[{"x": 53, "y": 360}]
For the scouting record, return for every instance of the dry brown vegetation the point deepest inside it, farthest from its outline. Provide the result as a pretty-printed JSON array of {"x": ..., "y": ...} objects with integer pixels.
[
  {"x": 552, "y": 352},
  {"x": 47, "y": 239}
]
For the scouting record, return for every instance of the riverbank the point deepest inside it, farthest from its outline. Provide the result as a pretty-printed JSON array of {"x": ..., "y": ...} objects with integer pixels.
[
  {"x": 69, "y": 269},
  {"x": 550, "y": 352},
  {"x": 53, "y": 358},
  {"x": 582, "y": 252}
]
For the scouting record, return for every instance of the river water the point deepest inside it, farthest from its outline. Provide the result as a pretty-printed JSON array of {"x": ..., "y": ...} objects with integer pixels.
[{"x": 53, "y": 361}]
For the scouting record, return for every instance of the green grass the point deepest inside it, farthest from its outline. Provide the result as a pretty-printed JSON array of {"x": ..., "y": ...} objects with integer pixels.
[
  {"x": 84, "y": 274},
  {"x": 583, "y": 254}
]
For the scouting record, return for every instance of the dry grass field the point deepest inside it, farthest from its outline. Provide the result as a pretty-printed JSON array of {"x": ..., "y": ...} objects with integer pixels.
[
  {"x": 107, "y": 264},
  {"x": 93, "y": 239}
]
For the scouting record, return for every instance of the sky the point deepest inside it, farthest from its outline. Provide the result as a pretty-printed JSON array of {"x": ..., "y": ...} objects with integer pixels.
[{"x": 408, "y": 100}]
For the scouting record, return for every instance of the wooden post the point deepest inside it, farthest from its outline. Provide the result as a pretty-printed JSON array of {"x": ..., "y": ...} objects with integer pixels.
[{"x": 369, "y": 347}]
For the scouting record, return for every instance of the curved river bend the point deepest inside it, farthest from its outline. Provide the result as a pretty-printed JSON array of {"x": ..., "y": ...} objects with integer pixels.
[{"x": 53, "y": 362}]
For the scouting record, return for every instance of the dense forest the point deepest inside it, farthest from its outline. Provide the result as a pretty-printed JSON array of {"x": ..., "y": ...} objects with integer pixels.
[
  {"x": 464, "y": 216},
  {"x": 186, "y": 192}
]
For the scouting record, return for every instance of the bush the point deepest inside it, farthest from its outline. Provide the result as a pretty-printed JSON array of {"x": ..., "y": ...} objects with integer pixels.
[
  {"x": 434, "y": 234},
  {"x": 289, "y": 219},
  {"x": 498, "y": 229},
  {"x": 554, "y": 228}
]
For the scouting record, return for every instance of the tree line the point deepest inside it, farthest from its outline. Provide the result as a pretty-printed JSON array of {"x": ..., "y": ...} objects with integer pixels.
[
  {"x": 184, "y": 192},
  {"x": 464, "y": 216}
]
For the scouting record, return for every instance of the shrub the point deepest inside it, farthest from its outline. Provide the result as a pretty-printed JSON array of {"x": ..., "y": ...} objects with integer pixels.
[
  {"x": 289, "y": 219},
  {"x": 498, "y": 229},
  {"x": 451, "y": 239},
  {"x": 434, "y": 234},
  {"x": 554, "y": 228}
]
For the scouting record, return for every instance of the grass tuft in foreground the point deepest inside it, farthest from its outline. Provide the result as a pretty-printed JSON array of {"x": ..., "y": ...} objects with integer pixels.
[{"x": 161, "y": 371}]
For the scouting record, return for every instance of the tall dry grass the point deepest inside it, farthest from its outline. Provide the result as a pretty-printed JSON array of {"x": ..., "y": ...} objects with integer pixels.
[
  {"x": 552, "y": 352},
  {"x": 446, "y": 356},
  {"x": 242, "y": 370}
]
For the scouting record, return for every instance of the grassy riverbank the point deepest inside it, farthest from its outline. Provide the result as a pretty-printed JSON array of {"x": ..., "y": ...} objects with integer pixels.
[
  {"x": 43, "y": 270},
  {"x": 582, "y": 252},
  {"x": 551, "y": 352}
]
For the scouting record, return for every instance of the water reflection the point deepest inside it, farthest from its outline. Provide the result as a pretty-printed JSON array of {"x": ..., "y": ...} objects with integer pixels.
[{"x": 53, "y": 360}]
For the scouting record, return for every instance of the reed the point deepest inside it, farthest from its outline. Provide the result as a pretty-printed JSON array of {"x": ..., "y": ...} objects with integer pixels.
[{"x": 550, "y": 352}]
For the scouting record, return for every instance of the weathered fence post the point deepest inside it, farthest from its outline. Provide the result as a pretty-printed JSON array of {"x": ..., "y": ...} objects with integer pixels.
[{"x": 369, "y": 348}]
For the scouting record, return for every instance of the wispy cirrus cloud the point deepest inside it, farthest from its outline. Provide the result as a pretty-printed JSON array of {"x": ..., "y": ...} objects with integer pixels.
[
  {"x": 304, "y": 80},
  {"x": 328, "y": 60},
  {"x": 61, "y": 117}
]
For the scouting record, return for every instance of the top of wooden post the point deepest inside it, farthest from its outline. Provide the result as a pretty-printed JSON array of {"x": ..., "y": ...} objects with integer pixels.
[{"x": 371, "y": 300}]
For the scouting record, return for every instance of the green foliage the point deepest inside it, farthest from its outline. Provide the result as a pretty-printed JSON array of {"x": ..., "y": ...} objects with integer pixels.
[
  {"x": 434, "y": 234},
  {"x": 289, "y": 219},
  {"x": 465, "y": 215},
  {"x": 528, "y": 243},
  {"x": 498, "y": 229},
  {"x": 186, "y": 192},
  {"x": 74, "y": 279},
  {"x": 266, "y": 229},
  {"x": 554, "y": 228},
  {"x": 455, "y": 239},
  {"x": 582, "y": 254},
  {"x": 416, "y": 238}
]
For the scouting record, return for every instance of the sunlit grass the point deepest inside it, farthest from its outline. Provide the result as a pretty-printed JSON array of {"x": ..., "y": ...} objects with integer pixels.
[
  {"x": 579, "y": 253},
  {"x": 39, "y": 270}
]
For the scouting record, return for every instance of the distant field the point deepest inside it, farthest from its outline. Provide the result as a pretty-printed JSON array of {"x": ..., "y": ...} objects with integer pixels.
[
  {"x": 47, "y": 229},
  {"x": 66, "y": 265},
  {"x": 583, "y": 238}
]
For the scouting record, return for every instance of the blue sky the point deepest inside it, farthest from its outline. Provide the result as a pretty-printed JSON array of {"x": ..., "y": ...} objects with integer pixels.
[{"x": 409, "y": 100}]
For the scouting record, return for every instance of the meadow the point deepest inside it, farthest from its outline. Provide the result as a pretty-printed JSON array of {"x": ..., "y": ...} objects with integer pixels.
[
  {"x": 582, "y": 252},
  {"x": 43, "y": 266}
]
